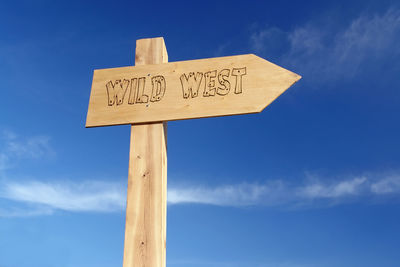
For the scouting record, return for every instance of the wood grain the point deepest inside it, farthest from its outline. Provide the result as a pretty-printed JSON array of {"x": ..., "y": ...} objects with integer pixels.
[
  {"x": 184, "y": 90},
  {"x": 145, "y": 229}
]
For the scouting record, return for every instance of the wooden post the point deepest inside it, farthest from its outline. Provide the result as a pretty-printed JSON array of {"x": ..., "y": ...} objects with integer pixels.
[
  {"x": 153, "y": 93},
  {"x": 146, "y": 210}
]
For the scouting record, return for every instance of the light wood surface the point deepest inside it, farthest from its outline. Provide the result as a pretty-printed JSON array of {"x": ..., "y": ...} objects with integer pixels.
[
  {"x": 184, "y": 90},
  {"x": 145, "y": 229}
]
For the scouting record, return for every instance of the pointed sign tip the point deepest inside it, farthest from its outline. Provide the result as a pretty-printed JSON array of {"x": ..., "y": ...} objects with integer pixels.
[
  {"x": 290, "y": 77},
  {"x": 297, "y": 78},
  {"x": 294, "y": 77}
]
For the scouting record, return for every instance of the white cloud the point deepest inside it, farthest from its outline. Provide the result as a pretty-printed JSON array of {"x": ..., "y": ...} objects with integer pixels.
[
  {"x": 33, "y": 147},
  {"x": 79, "y": 197},
  {"x": 322, "y": 52},
  {"x": 40, "y": 198},
  {"x": 278, "y": 193},
  {"x": 339, "y": 189},
  {"x": 389, "y": 185},
  {"x": 268, "y": 41},
  {"x": 12, "y": 212},
  {"x": 275, "y": 193},
  {"x": 227, "y": 195},
  {"x": 14, "y": 147}
]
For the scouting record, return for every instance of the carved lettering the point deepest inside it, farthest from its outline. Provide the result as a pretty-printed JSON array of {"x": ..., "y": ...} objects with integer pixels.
[
  {"x": 158, "y": 85},
  {"x": 216, "y": 82},
  {"x": 209, "y": 88},
  {"x": 116, "y": 92},
  {"x": 191, "y": 84},
  {"x": 238, "y": 73},
  {"x": 224, "y": 82},
  {"x": 141, "y": 96},
  {"x": 132, "y": 92}
]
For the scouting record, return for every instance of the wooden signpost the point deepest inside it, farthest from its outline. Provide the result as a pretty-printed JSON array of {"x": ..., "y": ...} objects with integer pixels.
[{"x": 154, "y": 92}]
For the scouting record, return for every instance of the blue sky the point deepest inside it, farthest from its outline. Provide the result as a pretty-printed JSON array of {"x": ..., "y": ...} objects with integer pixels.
[{"x": 312, "y": 181}]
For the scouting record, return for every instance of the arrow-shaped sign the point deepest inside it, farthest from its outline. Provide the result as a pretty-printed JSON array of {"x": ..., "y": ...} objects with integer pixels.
[{"x": 185, "y": 90}]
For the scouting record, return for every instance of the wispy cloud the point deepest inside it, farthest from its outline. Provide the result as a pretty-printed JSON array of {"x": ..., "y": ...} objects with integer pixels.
[
  {"x": 22, "y": 198},
  {"x": 33, "y": 147},
  {"x": 244, "y": 194},
  {"x": 25, "y": 211},
  {"x": 279, "y": 193},
  {"x": 88, "y": 196},
  {"x": 388, "y": 185},
  {"x": 14, "y": 147},
  {"x": 325, "y": 51},
  {"x": 40, "y": 198},
  {"x": 339, "y": 189}
]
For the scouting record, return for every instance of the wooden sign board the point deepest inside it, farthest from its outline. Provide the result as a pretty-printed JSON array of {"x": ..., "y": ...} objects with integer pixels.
[
  {"x": 185, "y": 90},
  {"x": 150, "y": 94}
]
